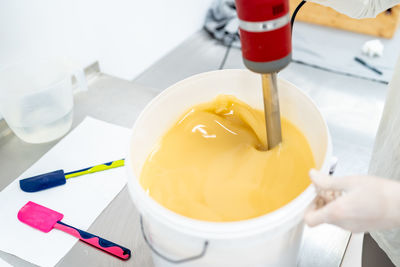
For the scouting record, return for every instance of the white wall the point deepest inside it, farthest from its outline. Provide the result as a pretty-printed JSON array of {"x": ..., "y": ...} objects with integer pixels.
[{"x": 125, "y": 36}]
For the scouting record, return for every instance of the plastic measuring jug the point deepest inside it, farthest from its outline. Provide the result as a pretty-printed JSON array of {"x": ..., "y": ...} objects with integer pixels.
[{"x": 36, "y": 98}]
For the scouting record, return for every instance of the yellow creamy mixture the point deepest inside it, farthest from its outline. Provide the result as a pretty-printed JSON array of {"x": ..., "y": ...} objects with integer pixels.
[{"x": 209, "y": 165}]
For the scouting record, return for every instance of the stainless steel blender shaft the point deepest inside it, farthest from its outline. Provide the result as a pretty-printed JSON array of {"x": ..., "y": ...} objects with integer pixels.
[{"x": 271, "y": 110}]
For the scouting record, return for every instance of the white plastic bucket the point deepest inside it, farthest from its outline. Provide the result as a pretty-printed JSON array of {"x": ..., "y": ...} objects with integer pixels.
[{"x": 269, "y": 240}]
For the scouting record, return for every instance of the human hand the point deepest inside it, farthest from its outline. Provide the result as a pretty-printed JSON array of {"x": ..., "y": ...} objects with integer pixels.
[{"x": 355, "y": 203}]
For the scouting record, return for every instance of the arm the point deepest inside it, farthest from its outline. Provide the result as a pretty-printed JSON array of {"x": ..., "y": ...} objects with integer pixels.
[
  {"x": 366, "y": 203},
  {"x": 359, "y": 8}
]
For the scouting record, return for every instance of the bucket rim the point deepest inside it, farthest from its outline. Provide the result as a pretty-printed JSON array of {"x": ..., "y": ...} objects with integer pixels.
[{"x": 287, "y": 216}]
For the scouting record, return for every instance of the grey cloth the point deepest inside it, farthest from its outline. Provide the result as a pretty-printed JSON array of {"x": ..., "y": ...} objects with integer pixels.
[
  {"x": 317, "y": 46},
  {"x": 222, "y": 22}
]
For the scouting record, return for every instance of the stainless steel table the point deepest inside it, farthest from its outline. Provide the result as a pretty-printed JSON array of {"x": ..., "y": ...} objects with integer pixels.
[{"x": 351, "y": 106}]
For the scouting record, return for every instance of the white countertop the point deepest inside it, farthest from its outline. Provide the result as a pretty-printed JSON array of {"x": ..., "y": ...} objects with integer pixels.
[{"x": 117, "y": 101}]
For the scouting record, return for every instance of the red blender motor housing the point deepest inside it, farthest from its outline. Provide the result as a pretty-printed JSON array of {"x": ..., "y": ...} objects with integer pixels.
[{"x": 265, "y": 34}]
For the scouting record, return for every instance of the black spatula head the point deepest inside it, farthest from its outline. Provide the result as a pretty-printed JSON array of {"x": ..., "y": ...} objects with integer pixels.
[{"x": 43, "y": 181}]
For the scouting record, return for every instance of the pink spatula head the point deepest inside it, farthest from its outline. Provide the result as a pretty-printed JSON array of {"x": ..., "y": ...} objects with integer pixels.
[
  {"x": 39, "y": 217},
  {"x": 45, "y": 219}
]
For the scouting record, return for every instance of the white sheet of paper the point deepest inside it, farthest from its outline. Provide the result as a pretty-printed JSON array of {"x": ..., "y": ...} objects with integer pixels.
[{"x": 81, "y": 199}]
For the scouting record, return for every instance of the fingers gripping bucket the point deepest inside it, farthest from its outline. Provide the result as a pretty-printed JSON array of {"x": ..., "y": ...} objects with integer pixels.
[{"x": 270, "y": 240}]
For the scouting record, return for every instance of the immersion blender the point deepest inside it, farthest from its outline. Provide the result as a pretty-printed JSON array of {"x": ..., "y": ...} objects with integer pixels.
[{"x": 265, "y": 35}]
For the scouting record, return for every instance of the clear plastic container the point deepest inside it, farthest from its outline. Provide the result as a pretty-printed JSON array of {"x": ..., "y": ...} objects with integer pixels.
[{"x": 36, "y": 98}]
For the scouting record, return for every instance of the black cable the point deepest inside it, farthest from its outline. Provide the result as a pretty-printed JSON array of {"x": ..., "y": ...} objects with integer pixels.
[
  {"x": 228, "y": 49},
  {"x": 295, "y": 13},
  {"x": 338, "y": 72}
]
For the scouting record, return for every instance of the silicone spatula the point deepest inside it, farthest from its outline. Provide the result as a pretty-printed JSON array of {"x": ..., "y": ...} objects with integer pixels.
[
  {"x": 56, "y": 178},
  {"x": 45, "y": 219}
]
